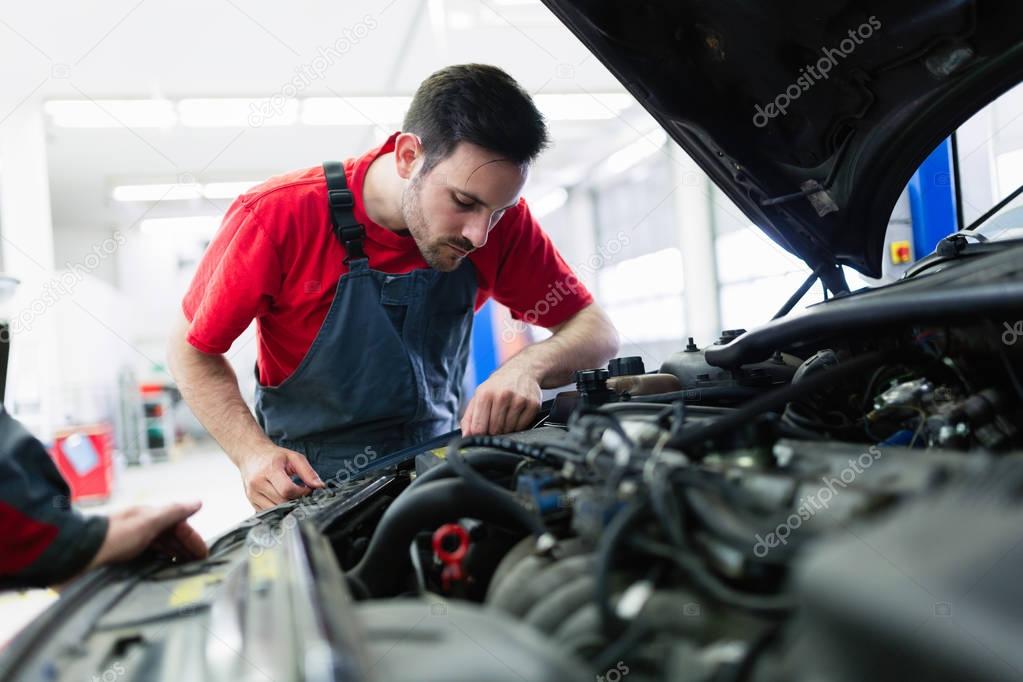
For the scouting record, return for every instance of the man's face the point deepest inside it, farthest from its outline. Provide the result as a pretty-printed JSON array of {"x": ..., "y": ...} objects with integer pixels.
[{"x": 451, "y": 209}]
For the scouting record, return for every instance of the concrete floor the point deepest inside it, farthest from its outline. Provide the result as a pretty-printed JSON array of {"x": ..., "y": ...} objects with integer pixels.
[{"x": 202, "y": 472}]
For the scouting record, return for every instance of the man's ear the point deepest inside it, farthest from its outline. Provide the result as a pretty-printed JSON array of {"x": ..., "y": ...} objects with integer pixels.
[{"x": 408, "y": 154}]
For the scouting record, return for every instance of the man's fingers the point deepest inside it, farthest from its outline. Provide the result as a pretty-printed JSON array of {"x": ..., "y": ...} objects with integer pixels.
[
  {"x": 166, "y": 517},
  {"x": 501, "y": 413},
  {"x": 190, "y": 540},
  {"x": 285, "y": 487},
  {"x": 466, "y": 423},
  {"x": 166, "y": 544},
  {"x": 270, "y": 493},
  {"x": 260, "y": 501},
  {"x": 300, "y": 465},
  {"x": 481, "y": 416},
  {"x": 514, "y": 417},
  {"x": 526, "y": 417},
  {"x": 181, "y": 542}
]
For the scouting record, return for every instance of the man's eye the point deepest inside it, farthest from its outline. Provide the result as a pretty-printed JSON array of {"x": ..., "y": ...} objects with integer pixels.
[{"x": 464, "y": 204}]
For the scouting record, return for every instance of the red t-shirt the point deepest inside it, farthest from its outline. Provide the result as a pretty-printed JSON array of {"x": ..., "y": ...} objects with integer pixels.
[{"x": 275, "y": 259}]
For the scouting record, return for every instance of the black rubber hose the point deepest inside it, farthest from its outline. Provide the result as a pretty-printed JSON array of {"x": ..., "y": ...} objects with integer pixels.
[
  {"x": 503, "y": 462},
  {"x": 775, "y": 400},
  {"x": 607, "y": 550},
  {"x": 526, "y": 517},
  {"x": 767, "y": 605},
  {"x": 728, "y": 523},
  {"x": 387, "y": 561},
  {"x": 457, "y": 461}
]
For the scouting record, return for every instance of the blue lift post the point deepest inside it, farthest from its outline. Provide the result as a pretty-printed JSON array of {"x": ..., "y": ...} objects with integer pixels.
[
  {"x": 932, "y": 200},
  {"x": 484, "y": 345}
]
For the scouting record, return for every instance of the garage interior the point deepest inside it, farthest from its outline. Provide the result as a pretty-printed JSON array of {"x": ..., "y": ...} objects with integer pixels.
[{"x": 122, "y": 145}]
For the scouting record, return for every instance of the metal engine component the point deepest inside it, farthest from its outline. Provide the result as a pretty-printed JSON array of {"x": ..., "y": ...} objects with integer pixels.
[
  {"x": 693, "y": 371},
  {"x": 949, "y": 612},
  {"x": 412, "y": 640}
]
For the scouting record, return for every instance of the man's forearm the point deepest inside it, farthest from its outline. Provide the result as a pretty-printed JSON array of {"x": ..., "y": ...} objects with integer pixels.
[
  {"x": 586, "y": 340},
  {"x": 210, "y": 387}
]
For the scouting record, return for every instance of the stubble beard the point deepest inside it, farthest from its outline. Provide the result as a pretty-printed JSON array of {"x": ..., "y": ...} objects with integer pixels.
[{"x": 435, "y": 254}]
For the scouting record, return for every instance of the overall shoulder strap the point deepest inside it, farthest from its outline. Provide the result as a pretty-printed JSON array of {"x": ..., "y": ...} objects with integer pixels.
[{"x": 342, "y": 202}]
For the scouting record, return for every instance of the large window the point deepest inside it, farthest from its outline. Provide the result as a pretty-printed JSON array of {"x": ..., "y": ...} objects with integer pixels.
[
  {"x": 755, "y": 275},
  {"x": 989, "y": 150},
  {"x": 640, "y": 278}
]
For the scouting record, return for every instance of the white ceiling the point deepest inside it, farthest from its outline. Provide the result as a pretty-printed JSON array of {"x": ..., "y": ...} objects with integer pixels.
[{"x": 252, "y": 48}]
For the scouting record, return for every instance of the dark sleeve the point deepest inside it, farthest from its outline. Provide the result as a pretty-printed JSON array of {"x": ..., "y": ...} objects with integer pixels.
[{"x": 42, "y": 541}]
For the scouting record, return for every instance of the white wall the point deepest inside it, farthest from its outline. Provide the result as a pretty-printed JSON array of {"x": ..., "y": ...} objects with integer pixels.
[{"x": 155, "y": 271}]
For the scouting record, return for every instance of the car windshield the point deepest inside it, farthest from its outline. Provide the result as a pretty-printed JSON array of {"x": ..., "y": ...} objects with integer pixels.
[
  {"x": 1005, "y": 224},
  {"x": 989, "y": 165}
]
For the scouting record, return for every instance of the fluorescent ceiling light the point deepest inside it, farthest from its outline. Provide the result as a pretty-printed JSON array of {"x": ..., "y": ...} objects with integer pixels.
[
  {"x": 205, "y": 225},
  {"x": 549, "y": 203},
  {"x": 340, "y": 111},
  {"x": 227, "y": 190},
  {"x": 237, "y": 113},
  {"x": 582, "y": 106},
  {"x": 183, "y": 192},
  {"x": 166, "y": 192},
  {"x": 459, "y": 20},
  {"x": 631, "y": 154},
  {"x": 358, "y": 111},
  {"x": 111, "y": 113}
]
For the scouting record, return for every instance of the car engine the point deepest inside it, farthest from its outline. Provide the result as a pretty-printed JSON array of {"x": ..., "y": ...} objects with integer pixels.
[
  {"x": 717, "y": 530},
  {"x": 832, "y": 496}
]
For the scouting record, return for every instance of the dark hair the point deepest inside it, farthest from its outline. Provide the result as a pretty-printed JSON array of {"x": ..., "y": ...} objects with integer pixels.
[{"x": 475, "y": 103}]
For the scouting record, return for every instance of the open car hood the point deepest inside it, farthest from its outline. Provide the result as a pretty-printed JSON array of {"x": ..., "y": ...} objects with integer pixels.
[{"x": 810, "y": 116}]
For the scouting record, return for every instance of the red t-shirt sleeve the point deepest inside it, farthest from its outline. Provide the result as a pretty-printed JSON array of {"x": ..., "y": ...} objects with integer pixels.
[
  {"x": 533, "y": 280},
  {"x": 236, "y": 281}
]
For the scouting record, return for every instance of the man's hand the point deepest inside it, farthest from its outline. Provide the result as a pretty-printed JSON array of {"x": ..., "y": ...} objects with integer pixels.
[
  {"x": 132, "y": 531},
  {"x": 510, "y": 398},
  {"x": 210, "y": 387},
  {"x": 507, "y": 401},
  {"x": 267, "y": 474}
]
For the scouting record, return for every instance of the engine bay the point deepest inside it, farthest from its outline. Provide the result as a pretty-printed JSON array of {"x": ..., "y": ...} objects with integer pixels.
[
  {"x": 648, "y": 532},
  {"x": 670, "y": 535},
  {"x": 814, "y": 511}
]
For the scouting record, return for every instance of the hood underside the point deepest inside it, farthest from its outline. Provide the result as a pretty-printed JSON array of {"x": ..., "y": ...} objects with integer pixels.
[{"x": 810, "y": 116}]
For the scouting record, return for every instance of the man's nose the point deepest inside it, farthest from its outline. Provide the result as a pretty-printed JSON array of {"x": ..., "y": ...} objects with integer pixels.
[{"x": 476, "y": 230}]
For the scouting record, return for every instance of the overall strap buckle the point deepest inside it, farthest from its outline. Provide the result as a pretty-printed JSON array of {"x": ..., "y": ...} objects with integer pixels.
[{"x": 348, "y": 230}]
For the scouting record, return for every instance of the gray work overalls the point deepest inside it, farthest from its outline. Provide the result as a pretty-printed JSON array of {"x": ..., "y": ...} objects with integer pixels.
[{"x": 385, "y": 370}]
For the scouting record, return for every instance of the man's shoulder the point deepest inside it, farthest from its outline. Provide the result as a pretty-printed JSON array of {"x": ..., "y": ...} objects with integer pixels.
[
  {"x": 287, "y": 188},
  {"x": 288, "y": 205}
]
